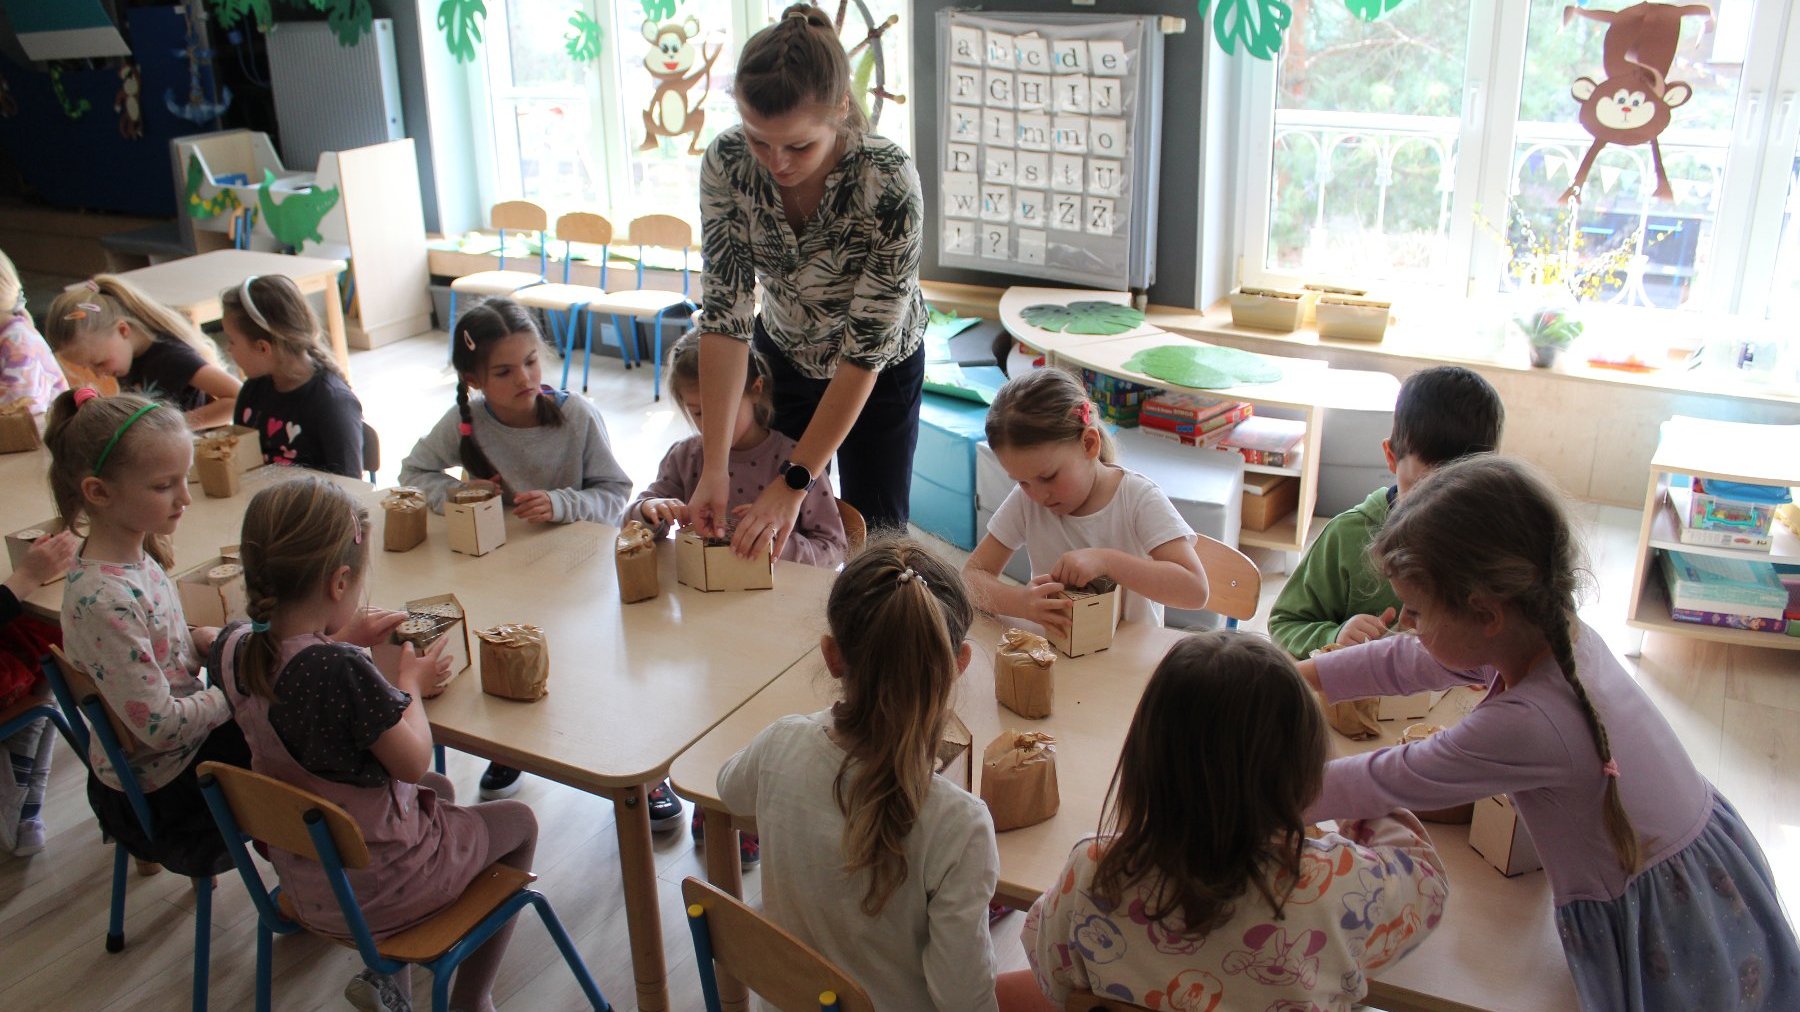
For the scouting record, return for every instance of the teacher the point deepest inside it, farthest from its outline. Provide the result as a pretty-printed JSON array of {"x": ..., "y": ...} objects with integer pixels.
[{"x": 826, "y": 215}]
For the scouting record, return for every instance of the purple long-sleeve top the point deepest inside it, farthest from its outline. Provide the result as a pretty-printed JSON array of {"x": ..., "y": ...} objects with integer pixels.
[{"x": 1531, "y": 743}]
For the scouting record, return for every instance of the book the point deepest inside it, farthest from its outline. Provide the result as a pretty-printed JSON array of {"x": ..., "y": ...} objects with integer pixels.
[
  {"x": 1188, "y": 407},
  {"x": 1728, "y": 586},
  {"x": 1221, "y": 420},
  {"x": 1744, "y": 622},
  {"x": 1207, "y": 441}
]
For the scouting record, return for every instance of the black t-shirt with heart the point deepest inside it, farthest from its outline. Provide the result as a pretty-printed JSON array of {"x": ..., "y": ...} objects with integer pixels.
[{"x": 318, "y": 424}]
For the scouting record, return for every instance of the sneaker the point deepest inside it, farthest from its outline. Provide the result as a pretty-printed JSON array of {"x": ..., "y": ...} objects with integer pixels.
[
  {"x": 665, "y": 808},
  {"x": 31, "y": 838},
  {"x": 376, "y": 992},
  {"x": 499, "y": 782},
  {"x": 749, "y": 850}
]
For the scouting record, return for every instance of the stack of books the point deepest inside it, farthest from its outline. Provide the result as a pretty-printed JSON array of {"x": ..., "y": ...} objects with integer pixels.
[
  {"x": 1271, "y": 442},
  {"x": 1191, "y": 420},
  {"x": 1734, "y": 593},
  {"x": 1119, "y": 400}
]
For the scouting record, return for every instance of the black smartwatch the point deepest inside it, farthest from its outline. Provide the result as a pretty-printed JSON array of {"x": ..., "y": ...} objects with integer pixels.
[{"x": 797, "y": 476}]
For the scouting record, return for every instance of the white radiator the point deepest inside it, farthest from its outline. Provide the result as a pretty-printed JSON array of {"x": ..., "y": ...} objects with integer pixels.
[{"x": 330, "y": 97}]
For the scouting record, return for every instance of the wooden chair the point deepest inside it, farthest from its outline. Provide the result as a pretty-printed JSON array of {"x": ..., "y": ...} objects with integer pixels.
[
  {"x": 1088, "y": 1001},
  {"x": 1234, "y": 581},
  {"x": 856, "y": 532},
  {"x": 371, "y": 455},
  {"x": 573, "y": 300},
  {"x": 248, "y": 805},
  {"x": 79, "y": 699},
  {"x": 652, "y": 231},
  {"x": 519, "y": 216},
  {"x": 785, "y": 971}
]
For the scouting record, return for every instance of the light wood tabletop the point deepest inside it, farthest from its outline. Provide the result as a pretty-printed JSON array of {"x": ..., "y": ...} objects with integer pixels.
[{"x": 1496, "y": 948}]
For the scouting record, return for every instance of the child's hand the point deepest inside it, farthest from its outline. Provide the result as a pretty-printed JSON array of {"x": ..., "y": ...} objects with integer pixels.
[
  {"x": 48, "y": 557},
  {"x": 370, "y": 626},
  {"x": 534, "y": 507},
  {"x": 1048, "y": 607},
  {"x": 1079, "y": 567},
  {"x": 1363, "y": 628},
  {"x": 204, "y": 636},
  {"x": 420, "y": 671},
  {"x": 657, "y": 512}
]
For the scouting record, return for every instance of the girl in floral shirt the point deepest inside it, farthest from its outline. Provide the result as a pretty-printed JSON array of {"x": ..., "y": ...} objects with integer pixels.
[
  {"x": 27, "y": 369},
  {"x": 1207, "y": 893},
  {"x": 120, "y": 464}
]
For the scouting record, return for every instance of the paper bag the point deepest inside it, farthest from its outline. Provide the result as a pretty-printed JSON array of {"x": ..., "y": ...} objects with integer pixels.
[
  {"x": 426, "y": 620},
  {"x": 636, "y": 562},
  {"x": 1018, "y": 779},
  {"x": 476, "y": 520},
  {"x": 1355, "y": 719},
  {"x": 404, "y": 524},
  {"x": 1022, "y": 674},
  {"x": 515, "y": 662},
  {"x": 953, "y": 753},
  {"x": 18, "y": 429},
  {"x": 1458, "y": 815},
  {"x": 214, "y": 462}
]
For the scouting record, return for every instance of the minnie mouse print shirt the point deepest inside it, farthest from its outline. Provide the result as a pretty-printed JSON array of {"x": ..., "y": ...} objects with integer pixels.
[{"x": 318, "y": 424}]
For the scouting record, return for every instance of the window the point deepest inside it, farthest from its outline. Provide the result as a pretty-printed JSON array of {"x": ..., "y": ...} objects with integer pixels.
[{"x": 1422, "y": 148}]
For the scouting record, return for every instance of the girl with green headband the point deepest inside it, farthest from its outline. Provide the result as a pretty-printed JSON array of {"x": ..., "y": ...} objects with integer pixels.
[{"x": 119, "y": 468}]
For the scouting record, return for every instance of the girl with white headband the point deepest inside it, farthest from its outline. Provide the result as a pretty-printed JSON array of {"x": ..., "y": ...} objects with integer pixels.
[{"x": 293, "y": 394}]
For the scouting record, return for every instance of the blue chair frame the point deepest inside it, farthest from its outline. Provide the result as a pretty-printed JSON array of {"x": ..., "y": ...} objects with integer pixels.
[
  {"x": 687, "y": 302},
  {"x": 270, "y": 921},
  {"x": 86, "y": 717},
  {"x": 579, "y": 309},
  {"x": 543, "y": 268}
]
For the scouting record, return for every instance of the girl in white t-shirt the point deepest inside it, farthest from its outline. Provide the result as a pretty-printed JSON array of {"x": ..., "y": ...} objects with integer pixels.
[
  {"x": 868, "y": 856},
  {"x": 1079, "y": 515}
]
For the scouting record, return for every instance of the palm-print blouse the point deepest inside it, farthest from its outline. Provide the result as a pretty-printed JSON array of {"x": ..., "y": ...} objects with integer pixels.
[{"x": 848, "y": 290}]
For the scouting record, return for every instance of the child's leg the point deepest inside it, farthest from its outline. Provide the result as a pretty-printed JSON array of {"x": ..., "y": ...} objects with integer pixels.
[
  {"x": 512, "y": 841},
  {"x": 1018, "y": 992},
  {"x": 39, "y": 778}
]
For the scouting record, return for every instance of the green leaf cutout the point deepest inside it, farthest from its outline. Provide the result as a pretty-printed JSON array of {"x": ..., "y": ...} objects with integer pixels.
[
  {"x": 350, "y": 20},
  {"x": 1203, "y": 366},
  {"x": 1372, "y": 10},
  {"x": 583, "y": 41},
  {"x": 859, "y": 80},
  {"x": 1255, "y": 24},
  {"x": 460, "y": 21},
  {"x": 1084, "y": 317},
  {"x": 658, "y": 10},
  {"x": 230, "y": 12}
]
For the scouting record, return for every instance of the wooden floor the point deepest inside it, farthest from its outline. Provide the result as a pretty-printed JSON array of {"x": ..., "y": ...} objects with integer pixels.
[{"x": 1737, "y": 711}]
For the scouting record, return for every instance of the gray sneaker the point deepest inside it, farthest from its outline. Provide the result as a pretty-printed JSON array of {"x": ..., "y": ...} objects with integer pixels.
[
  {"x": 376, "y": 992},
  {"x": 30, "y": 839}
]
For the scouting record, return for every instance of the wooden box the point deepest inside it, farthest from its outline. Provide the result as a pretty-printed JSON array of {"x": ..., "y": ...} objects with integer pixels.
[
  {"x": 955, "y": 754},
  {"x": 1414, "y": 707},
  {"x": 241, "y": 446},
  {"x": 403, "y": 519},
  {"x": 1316, "y": 290},
  {"x": 1091, "y": 621},
  {"x": 1349, "y": 318},
  {"x": 212, "y": 593},
  {"x": 1278, "y": 499},
  {"x": 19, "y": 542},
  {"x": 18, "y": 429},
  {"x": 634, "y": 560},
  {"x": 1499, "y": 836},
  {"x": 708, "y": 564},
  {"x": 477, "y": 525},
  {"x": 429, "y": 618},
  {"x": 1267, "y": 308}
]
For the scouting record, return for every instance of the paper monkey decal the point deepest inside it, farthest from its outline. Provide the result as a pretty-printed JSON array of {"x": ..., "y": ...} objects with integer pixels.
[
  {"x": 672, "y": 60},
  {"x": 131, "y": 114},
  {"x": 1633, "y": 105}
]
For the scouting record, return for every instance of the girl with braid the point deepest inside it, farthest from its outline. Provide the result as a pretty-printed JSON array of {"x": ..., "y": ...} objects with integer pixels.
[
  {"x": 1663, "y": 898},
  {"x": 544, "y": 450}
]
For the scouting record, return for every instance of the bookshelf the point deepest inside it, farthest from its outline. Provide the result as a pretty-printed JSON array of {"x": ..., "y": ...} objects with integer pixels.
[{"x": 1731, "y": 451}]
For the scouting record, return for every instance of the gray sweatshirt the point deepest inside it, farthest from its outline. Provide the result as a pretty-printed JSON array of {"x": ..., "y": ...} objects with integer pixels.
[{"x": 573, "y": 461}]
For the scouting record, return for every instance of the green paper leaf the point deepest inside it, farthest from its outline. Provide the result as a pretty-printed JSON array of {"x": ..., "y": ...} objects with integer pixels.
[
  {"x": 350, "y": 20},
  {"x": 1203, "y": 366},
  {"x": 583, "y": 41},
  {"x": 460, "y": 21},
  {"x": 1084, "y": 317},
  {"x": 859, "y": 81},
  {"x": 1371, "y": 10},
  {"x": 658, "y": 10},
  {"x": 229, "y": 12},
  {"x": 1255, "y": 24}
]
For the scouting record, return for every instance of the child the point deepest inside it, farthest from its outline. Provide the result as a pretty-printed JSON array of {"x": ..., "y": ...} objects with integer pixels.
[
  {"x": 293, "y": 395},
  {"x": 112, "y": 328},
  {"x": 23, "y": 640},
  {"x": 1205, "y": 887},
  {"x": 27, "y": 368},
  {"x": 873, "y": 860},
  {"x": 319, "y": 715},
  {"x": 121, "y": 463},
  {"x": 1663, "y": 899},
  {"x": 1335, "y": 596},
  {"x": 544, "y": 449},
  {"x": 1078, "y": 514}
]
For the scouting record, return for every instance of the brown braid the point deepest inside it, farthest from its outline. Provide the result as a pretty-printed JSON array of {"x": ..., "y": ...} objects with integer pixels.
[{"x": 1626, "y": 846}]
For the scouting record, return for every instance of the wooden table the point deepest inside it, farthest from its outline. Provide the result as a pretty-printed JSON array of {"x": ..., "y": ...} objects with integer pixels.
[
  {"x": 1497, "y": 947},
  {"x": 191, "y": 285}
]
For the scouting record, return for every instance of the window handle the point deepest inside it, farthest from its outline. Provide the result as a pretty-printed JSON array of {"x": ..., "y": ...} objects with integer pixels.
[
  {"x": 1473, "y": 113},
  {"x": 1752, "y": 113},
  {"x": 1787, "y": 113}
]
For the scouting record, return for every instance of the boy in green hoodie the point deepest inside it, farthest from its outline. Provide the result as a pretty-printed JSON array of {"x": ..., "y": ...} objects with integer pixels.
[{"x": 1334, "y": 595}]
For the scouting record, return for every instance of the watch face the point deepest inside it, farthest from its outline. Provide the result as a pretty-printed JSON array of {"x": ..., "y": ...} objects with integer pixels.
[{"x": 798, "y": 478}]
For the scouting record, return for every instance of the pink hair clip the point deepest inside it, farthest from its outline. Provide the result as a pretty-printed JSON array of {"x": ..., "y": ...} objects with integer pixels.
[
  {"x": 1084, "y": 412},
  {"x": 91, "y": 285},
  {"x": 465, "y": 429},
  {"x": 84, "y": 394},
  {"x": 1610, "y": 768},
  {"x": 468, "y": 340}
]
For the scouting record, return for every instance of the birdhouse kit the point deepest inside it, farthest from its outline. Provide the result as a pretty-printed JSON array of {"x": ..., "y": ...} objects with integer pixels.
[
  {"x": 1018, "y": 779},
  {"x": 213, "y": 593},
  {"x": 515, "y": 662},
  {"x": 1092, "y": 619},
  {"x": 403, "y": 518},
  {"x": 18, "y": 429},
  {"x": 221, "y": 456},
  {"x": 20, "y": 541},
  {"x": 705, "y": 563},
  {"x": 429, "y": 619},
  {"x": 955, "y": 754},
  {"x": 1500, "y": 837},
  {"x": 635, "y": 560},
  {"x": 1022, "y": 674},
  {"x": 1415, "y": 706},
  {"x": 477, "y": 520}
]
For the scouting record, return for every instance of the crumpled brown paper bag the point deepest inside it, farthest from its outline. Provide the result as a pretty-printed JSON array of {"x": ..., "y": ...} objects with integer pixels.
[
  {"x": 1018, "y": 779},
  {"x": 515, "y": 662},
  {"x": 636, "y": 563},
  {"x": 1023, "y": 679}
]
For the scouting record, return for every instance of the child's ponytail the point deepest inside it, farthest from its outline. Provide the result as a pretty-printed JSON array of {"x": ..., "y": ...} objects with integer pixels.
[
  {"x": 1045, "y": 406},
  {"x": 107, "y": 299},
  {"x": 899, "y": 617},
  {"x": 90, "y": 436},
  {"x": 477, "y": 330}
]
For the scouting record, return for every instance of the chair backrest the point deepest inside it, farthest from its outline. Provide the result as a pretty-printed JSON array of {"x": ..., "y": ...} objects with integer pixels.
[
  {"x": 274, "y": 812},
  {"x": 785, "y": 971},
  {"x": 1234, "y": 581},
  {"x": 663, "y": 230},
  {"x": 519, "y": 214},
  {"x": 855, "y": 530},
  {"x": 1088, "y": 1001},
  {"x": 81, "y": 687},
  {"x": 91, "y": 719},
  {"x": 584, "y": 226},
  {"x": 371, "y": 450}
]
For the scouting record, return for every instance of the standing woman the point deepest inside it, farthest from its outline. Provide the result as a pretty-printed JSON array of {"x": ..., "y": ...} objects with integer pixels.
[{"x": 827, "y": 216}]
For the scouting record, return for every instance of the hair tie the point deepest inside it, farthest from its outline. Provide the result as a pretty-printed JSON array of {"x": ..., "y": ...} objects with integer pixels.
[
  {"x": 258, "y": 627},
  {"x": 1084, "y": 412},
  {"x": 798, "y": 16},
  {"x": 468, "y": 341},
  {"x": 1610, "y": 768},
  {"x": 250, "y": 304},
  {"x": 91, "y": 285},
  {"x": 84, "y": 394},
  {"x": 907, "y": 575},
  {"x": 105, "y": 452},
  {"x": 464, "y": 428}
]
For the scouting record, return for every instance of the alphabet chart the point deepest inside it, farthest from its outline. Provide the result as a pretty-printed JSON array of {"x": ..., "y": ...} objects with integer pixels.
[{"x": 1049, "y": 135}]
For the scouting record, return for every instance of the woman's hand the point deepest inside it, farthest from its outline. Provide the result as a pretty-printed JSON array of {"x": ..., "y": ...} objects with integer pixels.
[
  {"x": 534, "y": 507},
  {"x": 370, "y": 626},
  {"x": 1047, "y": 606},
  {"x": 770, "y": 517},
  {"x": 1080, "y": 567},
  {"x": 706, "y": 508},
  {"x": 421, "y": 671},
  {"x": 657, "y": 512}
]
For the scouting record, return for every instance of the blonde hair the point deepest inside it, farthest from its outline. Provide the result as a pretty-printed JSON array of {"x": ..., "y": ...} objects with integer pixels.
[
  {"x": 270, "y": 307},
  {"x": 1045, "y": 406},
  {"x": 77, "y": 435},
  {"x": 684, "y": 375},
  {"x": 12, "y": 290},
  {"x": 99, "y": 304},
  {"x": 898, "y": 615},
  {"x": 1493, "y": 526},
  {"x": 296, "y": 534}
]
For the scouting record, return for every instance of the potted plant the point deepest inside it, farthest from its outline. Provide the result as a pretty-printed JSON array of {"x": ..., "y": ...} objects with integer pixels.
[
  {"x": 1549, "y": 330},
  {"x": 1553, "y": 275}
]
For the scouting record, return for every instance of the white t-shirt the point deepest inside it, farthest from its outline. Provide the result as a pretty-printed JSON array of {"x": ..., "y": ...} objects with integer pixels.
[
  {"x": 1138, "y": 520},
  {"x": 929, "y": 947}
]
